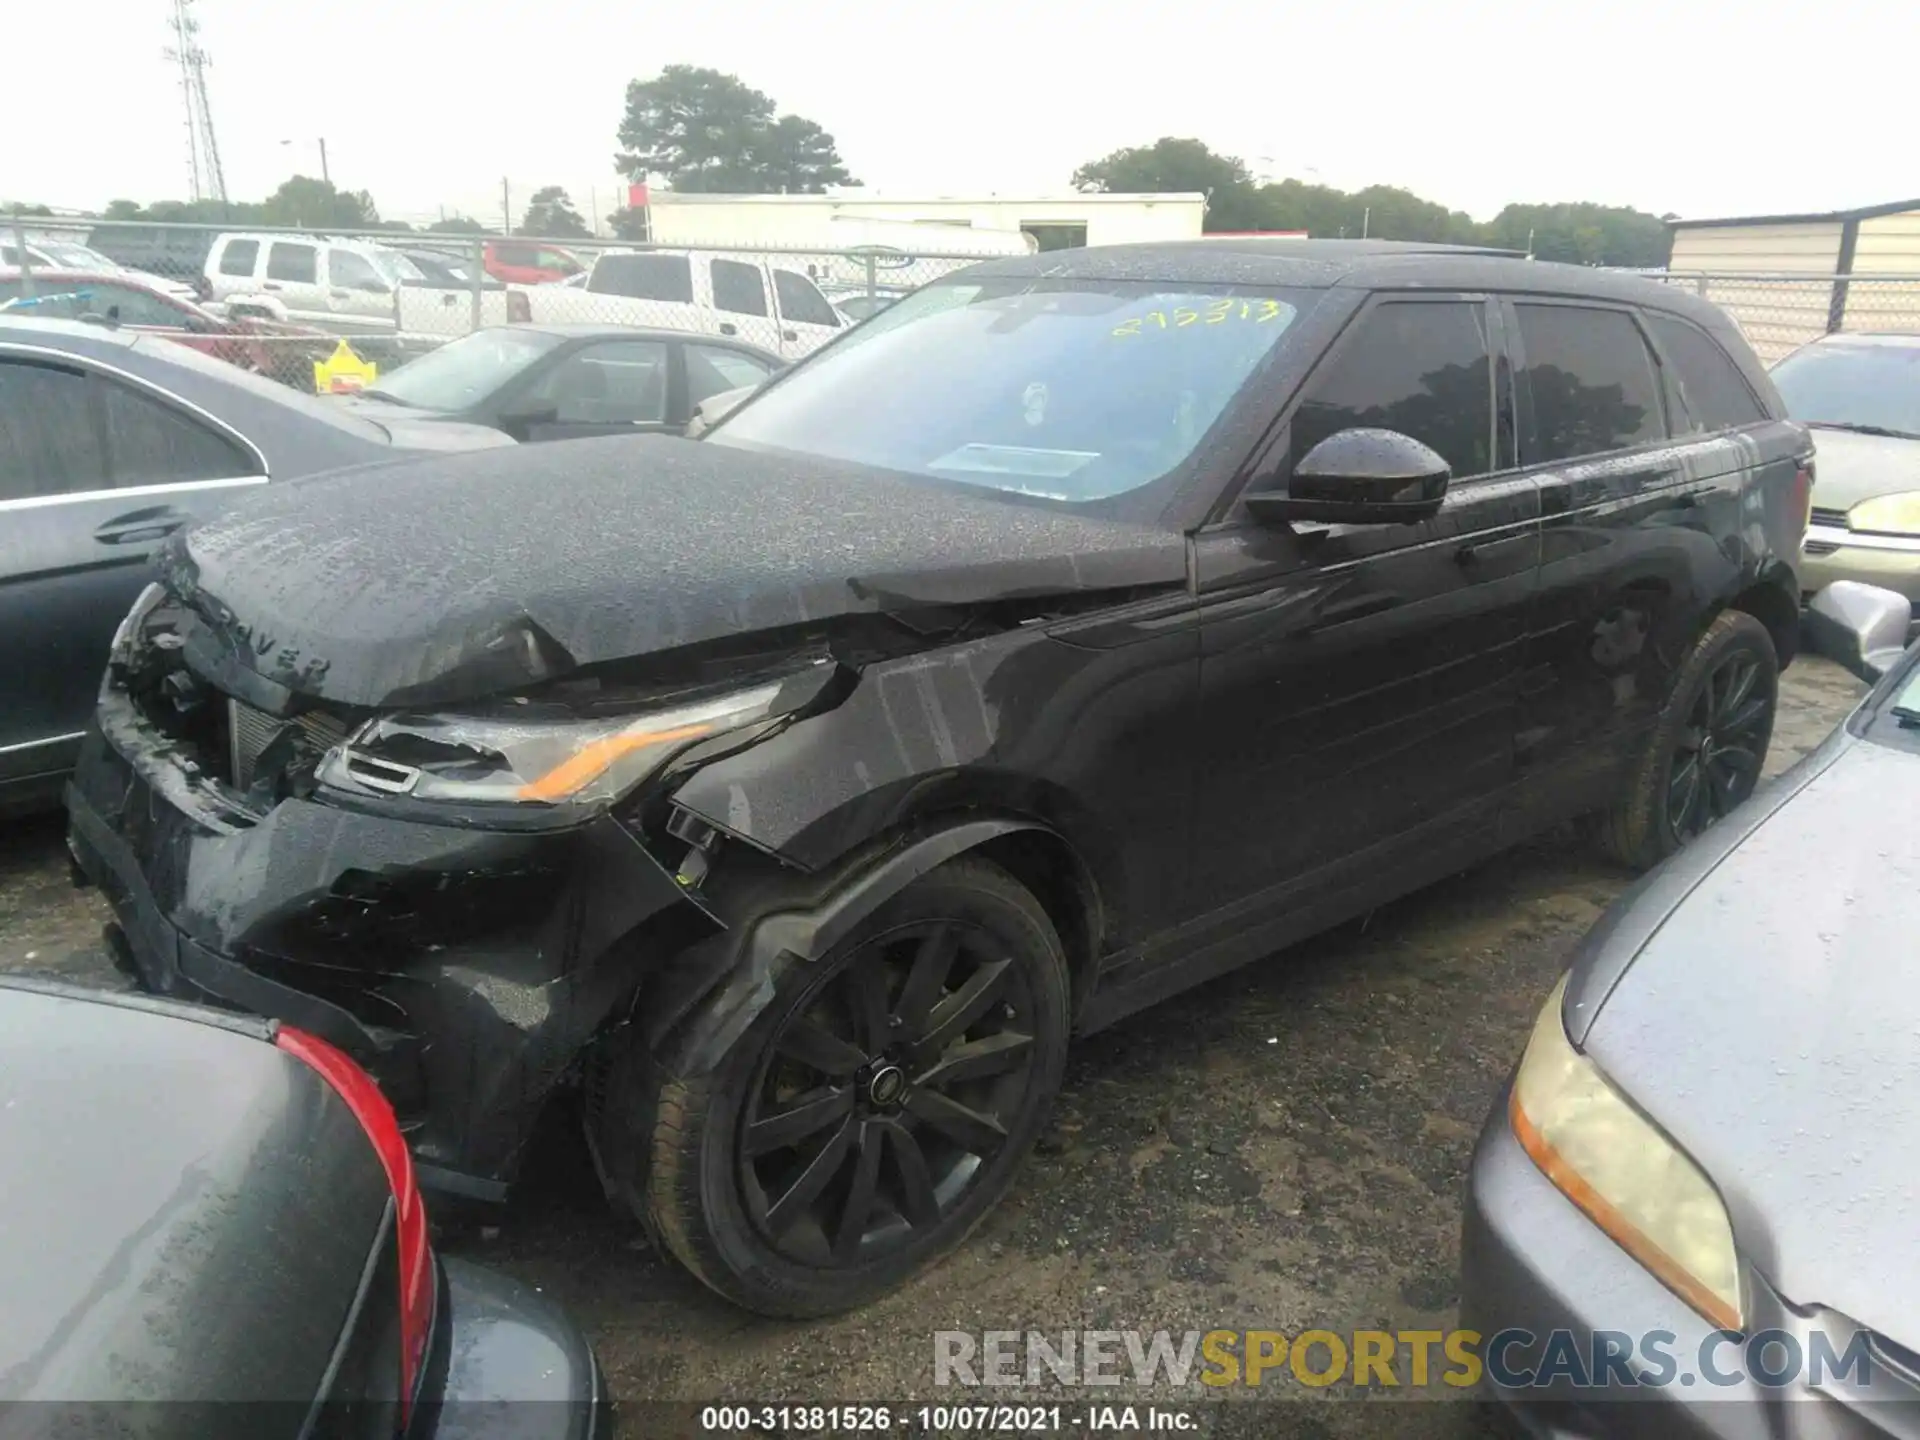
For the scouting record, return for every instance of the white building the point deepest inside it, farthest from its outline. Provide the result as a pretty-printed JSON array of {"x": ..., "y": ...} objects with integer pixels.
[{"x": 1054, "y": 222}]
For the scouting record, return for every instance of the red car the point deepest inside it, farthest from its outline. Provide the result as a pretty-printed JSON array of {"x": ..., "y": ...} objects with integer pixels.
[
  {"x": 523, "y": 262},
  {"x": 269, "y": 347}
]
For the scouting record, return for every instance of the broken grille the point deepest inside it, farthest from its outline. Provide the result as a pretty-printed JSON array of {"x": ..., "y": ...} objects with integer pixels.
[{"x": 250, "y": 731}]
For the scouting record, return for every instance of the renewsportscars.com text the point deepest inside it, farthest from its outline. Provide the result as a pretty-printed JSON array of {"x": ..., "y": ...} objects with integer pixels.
[{"x": 1390, "y": 1359}]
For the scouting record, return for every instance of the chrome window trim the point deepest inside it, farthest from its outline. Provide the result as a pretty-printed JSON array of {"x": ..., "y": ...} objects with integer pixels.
[
  {"x": 164, "y": 487},
  {"x": 42, "y": 744}
]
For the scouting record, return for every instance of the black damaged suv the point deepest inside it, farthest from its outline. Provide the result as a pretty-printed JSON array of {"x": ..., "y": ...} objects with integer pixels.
[{"x": 1082, "y": 627}]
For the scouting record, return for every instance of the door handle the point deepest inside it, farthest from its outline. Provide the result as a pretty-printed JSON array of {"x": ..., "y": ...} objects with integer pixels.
[
  {"x": 727, "y": 327},
  {"x": 270, "y": 285},
  {"x": 789, "y": 335},
  {"x": 341, "y": 294},
  {"x": 1358, "y": 608},
  {"x": 140, "y": 526}
]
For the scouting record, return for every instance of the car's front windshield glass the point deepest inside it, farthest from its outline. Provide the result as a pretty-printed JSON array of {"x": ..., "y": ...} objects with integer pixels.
[
  {"x": 1857, "y": 385},
  {"x": 464, "y": 372},
  {"x": 78, "y": 257},
  {"x": 1067, "y": 390}
]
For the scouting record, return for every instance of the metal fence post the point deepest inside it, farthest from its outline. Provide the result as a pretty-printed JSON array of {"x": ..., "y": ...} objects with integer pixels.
[
  {"x": 479, "y": 277},
  {"x": 26, "y": 260},
  {"x": 873, "y": 266}
]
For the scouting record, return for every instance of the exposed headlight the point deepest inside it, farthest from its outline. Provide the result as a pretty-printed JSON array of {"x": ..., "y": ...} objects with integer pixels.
[
  {"x": 528, "y": 754},
  {"x": 1887, "y": 514},
  {"x": 1616, "y": 1165}
]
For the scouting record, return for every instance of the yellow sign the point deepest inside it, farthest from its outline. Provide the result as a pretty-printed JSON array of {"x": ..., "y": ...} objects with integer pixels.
[{"x": 343, "y": 372}]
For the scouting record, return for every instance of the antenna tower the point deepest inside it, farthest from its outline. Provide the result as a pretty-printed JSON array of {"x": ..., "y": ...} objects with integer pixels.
[{"x": 203, "y": 151}]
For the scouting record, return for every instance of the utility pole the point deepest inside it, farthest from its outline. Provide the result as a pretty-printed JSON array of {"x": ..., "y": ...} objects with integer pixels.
[
  {"x": 1366, "y": 221},
  {"x": 506, "y": 209},
  {"x": 327, "y": 178}
]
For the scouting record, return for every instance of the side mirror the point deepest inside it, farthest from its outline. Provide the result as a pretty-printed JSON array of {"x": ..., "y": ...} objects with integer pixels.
[
  {"x": 520, "y": 419},
  {"x": 1860, "y": 626},
  {"x": 1360, "y": 477},
  {"x": 715, "y": 408}
]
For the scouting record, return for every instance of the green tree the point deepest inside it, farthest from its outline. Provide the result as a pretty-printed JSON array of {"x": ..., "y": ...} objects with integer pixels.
[
  {"x": 630, "y": 223},
  {"x": 319, "y": 205},
  {"x": 551, "y": 214},
  {"x": 1583, "y": 234},
  {"x": 1174, "y": 164},
  {"x": 797, "y": 157},
  {"x": 704, "y": 130},
  {"x": 457, "y": 225}
]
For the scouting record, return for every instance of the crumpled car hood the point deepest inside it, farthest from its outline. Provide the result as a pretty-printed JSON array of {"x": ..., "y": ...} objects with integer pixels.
[
  {"x": 1771, "y": 1025},
  {"x": 446, "y": 579}
]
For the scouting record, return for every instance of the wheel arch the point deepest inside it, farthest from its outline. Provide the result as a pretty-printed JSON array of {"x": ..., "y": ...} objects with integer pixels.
[
  {"x": 1774, "y": 600},
  {"x": 693, "y": 1007}
]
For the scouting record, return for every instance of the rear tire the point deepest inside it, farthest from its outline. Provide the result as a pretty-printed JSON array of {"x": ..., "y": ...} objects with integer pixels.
[
  {"x": 1705, "y": 752},
  {"x": 875, "y": 1112}
]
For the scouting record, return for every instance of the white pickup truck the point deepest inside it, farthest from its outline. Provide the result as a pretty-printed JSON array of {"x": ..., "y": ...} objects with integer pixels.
[{"x": 757, "y": 298}]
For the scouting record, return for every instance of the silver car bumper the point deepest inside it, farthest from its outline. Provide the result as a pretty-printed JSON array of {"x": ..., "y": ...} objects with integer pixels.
[{"x": 1831, "y": 552}]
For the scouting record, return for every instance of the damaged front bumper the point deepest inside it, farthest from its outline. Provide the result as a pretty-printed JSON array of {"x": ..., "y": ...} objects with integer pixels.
[{"x": 465, "y": 968}]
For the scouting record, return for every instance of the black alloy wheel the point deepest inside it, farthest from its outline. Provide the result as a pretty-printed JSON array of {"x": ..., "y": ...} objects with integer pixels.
[
  {"x": 870, "y": 1115},
  {"x": 884, "y": 1097},
  {"x": 1722, "y": 746}
]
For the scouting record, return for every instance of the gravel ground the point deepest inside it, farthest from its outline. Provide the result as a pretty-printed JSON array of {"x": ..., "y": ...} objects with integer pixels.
[{"x": 1281, "y": 1150}]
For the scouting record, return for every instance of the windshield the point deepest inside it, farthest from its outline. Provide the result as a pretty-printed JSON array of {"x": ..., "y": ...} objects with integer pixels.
[
  {"x": 1870, "y": 386},
  {"x": 77, "y": 257},
  {"x": 465, "y": 371},
  {"x": 1074, "y": 391},
  {"x": 394, "y": 267}
]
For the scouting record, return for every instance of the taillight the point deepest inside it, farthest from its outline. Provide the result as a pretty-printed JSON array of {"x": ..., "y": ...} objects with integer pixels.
[
  {"x": 519, "y": 308},
  {"x": 370, "y": 1108}
]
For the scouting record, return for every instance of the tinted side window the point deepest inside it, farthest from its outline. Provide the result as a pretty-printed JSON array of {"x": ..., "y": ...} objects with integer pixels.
[
  {"x": 150, "y": 443},
  {"x": 644, "y": 277},
  {"x": 49, "y": 439},
  {"x": 1716, "y": 393},
  {"x": 515, "y": 254},
  {"x": 623, "y": 382},
  {"x": 1421, "y": 369},
  {"x": 134, "y": 307},
  {"x": 298, "y": 263},
  {"x": 800, "y": 302},
  {"x": 239, "y": 257},
  {"x": 738, "y": 287},
  {"x": 1592, "y": 379}
]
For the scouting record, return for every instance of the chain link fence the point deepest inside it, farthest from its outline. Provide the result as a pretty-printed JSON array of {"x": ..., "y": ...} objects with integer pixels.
[
  {"x": 1780, "y": 313},
  {"x": 280, "y": 301}
]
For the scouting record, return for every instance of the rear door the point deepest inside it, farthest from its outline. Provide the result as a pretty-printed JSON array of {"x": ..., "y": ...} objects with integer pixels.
[
  {"x": 1635, "y": 532},
  {"x": 95, "y": 471},
  {"x": 610, "y": 387},
  {"x": 807, "y": 321},
  {"x": 292, "y": 276},
  {"x": 741, "y": 302},
  {"x": 355, "y": 290}
]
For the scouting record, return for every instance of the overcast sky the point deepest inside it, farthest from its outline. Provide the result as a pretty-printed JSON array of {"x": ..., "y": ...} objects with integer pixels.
[{"x": 1703, "y": 107}]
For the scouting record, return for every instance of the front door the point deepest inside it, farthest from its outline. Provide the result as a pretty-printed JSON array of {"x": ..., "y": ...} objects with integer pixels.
[
  {"x": 1359, "y": 683},
  {"x": 613, "y": 387},
  {"x": 807, "y": 321},
  {"x": 94, "y": 474}
]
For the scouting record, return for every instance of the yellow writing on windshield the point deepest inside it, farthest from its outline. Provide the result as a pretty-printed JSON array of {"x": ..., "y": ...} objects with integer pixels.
[{"x": 1213, "y": 312}]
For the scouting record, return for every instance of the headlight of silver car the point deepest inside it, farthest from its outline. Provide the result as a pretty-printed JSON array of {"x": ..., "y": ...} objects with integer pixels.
[
  {"x": 1897, "y": 514},
  {"x": 522, "y": 753},
  {"x": 1629, "y": 1177}
]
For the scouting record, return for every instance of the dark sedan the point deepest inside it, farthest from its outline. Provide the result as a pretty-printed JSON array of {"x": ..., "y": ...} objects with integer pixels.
[
  {"x": 111, "y": 440},
  {"x": 1691, "y": 1210},
  {"x": 554, "y": 382},
  {"x": 213, "y": 1229}
]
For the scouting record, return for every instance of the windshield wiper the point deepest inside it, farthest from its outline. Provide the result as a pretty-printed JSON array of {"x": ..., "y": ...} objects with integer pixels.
[{"x": 1884, "y": 430}]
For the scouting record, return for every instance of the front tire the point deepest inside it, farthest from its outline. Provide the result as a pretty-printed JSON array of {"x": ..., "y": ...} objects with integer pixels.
[
  {"x": 877, "y": 1110},
  {"x": 1707, "y": 748}
]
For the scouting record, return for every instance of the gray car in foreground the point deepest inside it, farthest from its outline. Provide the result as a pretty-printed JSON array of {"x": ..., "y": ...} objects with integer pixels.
[
  {"x": 110, "y": 441},
  {"x": 1693, "y": 1209}
]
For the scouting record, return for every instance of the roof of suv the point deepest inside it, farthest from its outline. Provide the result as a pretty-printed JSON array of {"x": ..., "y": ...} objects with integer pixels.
[{"x": 1370, "y": 264}]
